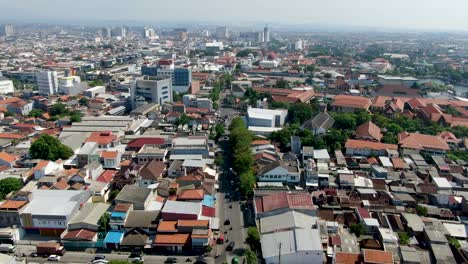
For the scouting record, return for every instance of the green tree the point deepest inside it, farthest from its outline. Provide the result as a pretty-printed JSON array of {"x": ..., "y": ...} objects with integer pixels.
[
  {"x": 243, "y": 53},
  {"x": 243, "y": 161},
  {"x": 299, "y": 112},
  {"x": 253, "y": 238},
  {"x": 36, "y": 113},
  {"x": 362, "y": 116},
  {"x": 8, "y": 113},
  {"x": 404, "y": 238},
  {"x": 84, "y": 101},
  {"x": 282, "y": 83},
  {"x": 357, "y": 229},
  {"x": 8, "y": 185},
  {"x": 454, "y": 242},
  {"x": 247, "y": 183},
  {"x": 75, "y": 118},
  {"x": 421, "y": 210},
  {"x": 58, "y": 109},
  {"x": 183, "y": 119},
  {"x": 250, "y": 257},
  {"x": 219, "y": 129},
  {"x": 49, "y": 148},
  {"x": 104, "y": 222},
  {"x": 345, "y": 121},
  {"x": 95, "y": 83}
]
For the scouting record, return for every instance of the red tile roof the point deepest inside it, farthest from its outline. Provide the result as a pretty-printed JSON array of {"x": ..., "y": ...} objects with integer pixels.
[
  {"x": 172, "y": 239},
  {"x": 363, "y": 212},
  {"x": 107, "y": 176},
  {"x": 81, "y": 234},
  {"x": 208, "y": 211},
  {"x": 11, "y": 136},
  {"x": 191, "y": 223},
  {"x": 7, "y": 157},
  {"x": 102, "y": 138},
  {"x": 369, "y": 129},
  {"x": 283, "y": 200},
  {"x": 191, "y": 195},
  {"x": 421, "y": 141},
  {"x": 347, "y": 258},
  {"x": 363, "y": 144},
  {"x": 109, "y": 154},
  {"x": 377, "y": 256},
  {"x": 10, "y": 204},
  {"x": 139, "y": 142},
  {"x": 167, "y": 226},
  {"x": 351, "y": 101}
]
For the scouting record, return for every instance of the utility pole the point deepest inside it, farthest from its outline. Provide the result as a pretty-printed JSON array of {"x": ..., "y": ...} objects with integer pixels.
[{"x": 279, "y": 255}]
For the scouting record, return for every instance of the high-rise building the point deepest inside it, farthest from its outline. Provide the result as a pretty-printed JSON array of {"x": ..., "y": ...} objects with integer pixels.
[
  {"x": 6, "y": 85},
  {"x": 119, "y": 32},
  {"x": 181, "y": 77},
  {"x": 106, "y": 32},
  {"x": 154, "y": 89},
  {"x": 47, "y": 82},
  {"x": 222, "y": 32},
  {"x": 149, "y": 33},
  {"x": 266, "y": 34},
  {"x": 9, "y": 30}
]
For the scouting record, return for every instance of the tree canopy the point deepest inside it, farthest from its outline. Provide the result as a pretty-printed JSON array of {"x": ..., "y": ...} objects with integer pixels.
[
  {"x": 49, "y": 148},
  {"x": 8, "y": 185}
]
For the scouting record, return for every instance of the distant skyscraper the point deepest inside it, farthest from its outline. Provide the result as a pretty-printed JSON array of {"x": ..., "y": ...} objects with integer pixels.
[
  {"x": 106, "y": 32},
  {"x": 149, "y": 33},
  {"x": 47, "y": 82},
  {"x": 119, "y": 32},
  {"x": 222, "y": 32},
  {"x": 9, "y": 30},
  {"x": 266, "y": 34}
]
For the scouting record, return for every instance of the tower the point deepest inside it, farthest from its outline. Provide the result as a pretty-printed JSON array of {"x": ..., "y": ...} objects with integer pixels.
[{"x": 266, "y": 34}]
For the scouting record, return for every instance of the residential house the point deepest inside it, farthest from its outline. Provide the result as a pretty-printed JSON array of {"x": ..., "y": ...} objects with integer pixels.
[
  {"x": 7, "y": 159},
  {"x": 10, "y": 211},
  {"x": 369, "y": 148},
  {"x": 281, "y": 202},
  {"x": 175, "y": 210},
  {"x": 138, "y": 196},
  {"x": 88, "y": 217},
  {"x": 119, "y": 216},
  {"x": 280, "y": 171},
  {"x": 46, "y": 167},
  {"x": 144, "y": 220},
  {"x": 368, "y": 131},
  {"x": 319, "y": 124},
  {"x": 151, "y": 172},
  {"x": 415, "y": 143},
  {"x": 350, "y": 103}
]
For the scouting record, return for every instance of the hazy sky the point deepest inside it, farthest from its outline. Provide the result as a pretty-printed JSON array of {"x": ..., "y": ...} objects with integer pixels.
[{"x": 417, "y": 14}]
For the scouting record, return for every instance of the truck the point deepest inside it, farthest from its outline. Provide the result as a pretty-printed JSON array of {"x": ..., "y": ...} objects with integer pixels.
[
  {"x": 50, "y": 248},
  {"x": 7, "y": 248}
]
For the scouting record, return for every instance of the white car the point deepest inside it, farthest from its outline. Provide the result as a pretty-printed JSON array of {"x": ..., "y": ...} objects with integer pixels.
[{"x": 53, "y": 258}]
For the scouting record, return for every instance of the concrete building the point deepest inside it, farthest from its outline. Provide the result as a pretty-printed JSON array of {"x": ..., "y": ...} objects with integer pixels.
[
  {"x": 70, "y": 85},
  {"x": 9, "y": 30},
  {"x": 266, "y": 117},
  {"x": 47, "y": 82},
  {"x": 181, "y": 77},
  {"x": 222, "y": 32},
  {"x": 266, "y": 34},
  {"x": 152, "y": 88},
  {"x": 6, "y": 85}
]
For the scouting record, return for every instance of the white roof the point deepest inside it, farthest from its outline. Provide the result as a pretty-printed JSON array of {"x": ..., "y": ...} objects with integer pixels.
[
  {"x": 55, "y": 202},
  {"x": 371, "y": 222},
  {"x": 183, "y": 141},
  {"x": 185, "y": 157},
  {"x": 457, "y": 230},
  {"x": 264, "y": 113},
  {"x": 178, "y": 207},
  {"x": 388, "y": 235},
  {"x": 414, "y": 222},
  {"x": 385, "y": 161},
  {"x": 286, "y": 220},
  {"x": 194, "y": 163},
  {"x": 264, "y": 129},
  {"x": 321, "y": 154},
  {"x": 442, "y": 182},
  {"x": 291, "y": 241}
]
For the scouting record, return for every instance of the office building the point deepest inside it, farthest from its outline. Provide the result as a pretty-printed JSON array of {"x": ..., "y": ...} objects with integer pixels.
[
  {"x": 106, "y": 32},
  {"x": 6, "y": 85},
  {"x": 266, "y": 34},
  {"x": 149, "y": 33},
  {"x": 47, "y": 82},
  {"x": 154, "y": 89},
  {"x": 222, "y": 32},
  {"x": 9, "y": 30},
  {"x": 66, "y": 85},
  {"x": 181, "y": 77},
  {"x": 119, "y": 32}
]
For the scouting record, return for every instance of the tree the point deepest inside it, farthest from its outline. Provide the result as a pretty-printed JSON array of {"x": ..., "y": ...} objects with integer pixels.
[
  {"x": 454, "y": 242},
  {"x": 421, "y": 210},
  {"x": 299, "y": 112},
  {"x": 84, "y": 101},
  {"x": 75, "y": 118},
  {"x": 362, "y": 116},
  {"x": 36, "y": 113},
  {"x": 253, "y": 238},
  {"x": 8, "y": 185},
  {"x": 357, "y": 229},
  {"x": 250, "y": 257},
  {"x": 8, "y": 113},
  {"x": 95, "y": 83},
  {"x": 49, "y": 148},
  {"x": 404, "y": 238},
  {"x": 247, "y": 183},
  {"x": 58, "y": 109},
  {"x": 283, "y": 137},
  {"x": 243, "y": 53},
  {"x": 345, "y": 121},
  {"x": 183, "y": 119},
  {"x": 243, "y": 161},
  {"x": 282, "y": 83},
  {"x": 219, "y": 129},
  {"x": 104, "y": 222}
]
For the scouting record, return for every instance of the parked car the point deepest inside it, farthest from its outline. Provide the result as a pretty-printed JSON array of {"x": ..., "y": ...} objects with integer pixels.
[
  {"x": 136, "y": 259},
  {"x": 53, "y": 258},
  {"x": 220, "y": 239},
  {"x": 227, "y": 222},
  {"x": 230, "y": 246},
  {"x": 171, "y": 260},
  {"x": 99, "y": 257}
]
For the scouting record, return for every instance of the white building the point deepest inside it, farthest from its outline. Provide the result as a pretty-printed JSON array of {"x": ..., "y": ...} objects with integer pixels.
[
  {"x": 293, "y": 246},
  {"x": 268, "y": 64},
  {"x": 258, "y": 117},
  {"x": 153, "y": 89},
  {"x": 66, "y": 84},
  {"x": 47, "y": 82},
  {"x": 6, "y": 85}
]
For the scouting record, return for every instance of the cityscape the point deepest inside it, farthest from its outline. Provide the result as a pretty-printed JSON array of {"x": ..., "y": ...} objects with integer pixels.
[{"x": 213, "y": 140}]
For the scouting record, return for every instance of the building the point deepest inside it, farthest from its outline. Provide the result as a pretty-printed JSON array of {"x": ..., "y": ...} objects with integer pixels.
[
  {"x": 49, "y": 211},
  {"x": 9, "y": 30},
  {"x": 266, "y": 34},
  {"x": 299, "y": 246},
  {"x": 320, "y": 124},
  {"x": 119, "y": 32},
  {"x": 350, "y": 103},
  {"x": 70, "y": 85},
  {"x": 369, "y": 131},
  {"x": 257, "y": 117},
  {"x": 138, "y": 196},
  {"x": 415, "y": 143},
  {"x": 222, "y": 32},
  {"x": 47, "y": 82},
  {"x": 6, "y": 85},
  {"x": 181, "y": 77},
  {"x": 153, "y": 89},
  {"x": 369, "y": 148}
]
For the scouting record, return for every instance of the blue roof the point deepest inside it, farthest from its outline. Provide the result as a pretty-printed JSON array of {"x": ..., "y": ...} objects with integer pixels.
[
  {"x": 114, "y": 237},
  {"x": 208, "y": 200},
  {"x": 118, "y": 215}
]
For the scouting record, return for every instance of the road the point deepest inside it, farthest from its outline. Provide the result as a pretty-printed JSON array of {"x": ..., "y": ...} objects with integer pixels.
[{"x": 83, "y": 257}]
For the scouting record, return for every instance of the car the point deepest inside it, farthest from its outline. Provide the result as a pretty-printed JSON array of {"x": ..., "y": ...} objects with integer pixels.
[
  {"x": 99, "y": 261},
  {"x": 53, "y": 258},
  {"x": 227, "y": 222},
  {"x": 230, "y": 246},
  {"x": 99, "y": 257},
  {"x": 34, "y": 255},
  {"x": 171, "y": 260},
  {"x": 136, "y": 260}
]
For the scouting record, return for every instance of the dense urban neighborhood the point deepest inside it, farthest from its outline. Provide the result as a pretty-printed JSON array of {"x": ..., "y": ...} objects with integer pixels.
[{"x": 216, "y": 144}]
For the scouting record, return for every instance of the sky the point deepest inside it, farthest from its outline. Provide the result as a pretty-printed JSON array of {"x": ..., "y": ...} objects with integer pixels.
[{"x": 390, "y": 14}]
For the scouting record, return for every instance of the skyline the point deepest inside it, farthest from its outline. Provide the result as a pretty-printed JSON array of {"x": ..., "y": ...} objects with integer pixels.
[{"x": 429, "y": 15}]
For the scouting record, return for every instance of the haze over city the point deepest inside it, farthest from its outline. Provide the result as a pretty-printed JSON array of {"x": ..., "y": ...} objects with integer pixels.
[{"x": 397, "y": 14}]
